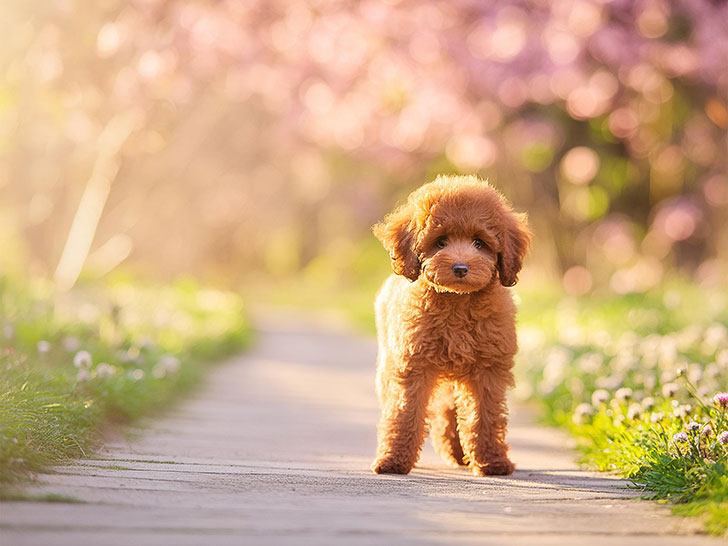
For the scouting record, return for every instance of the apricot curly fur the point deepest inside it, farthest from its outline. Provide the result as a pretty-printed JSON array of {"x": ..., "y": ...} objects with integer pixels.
[{"x": 447, "y": 340}]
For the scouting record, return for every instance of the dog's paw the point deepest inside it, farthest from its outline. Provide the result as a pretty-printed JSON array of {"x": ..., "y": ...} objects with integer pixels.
[
  {"x": 496, "y": 467},
  {"x": 387, "y": 465}
]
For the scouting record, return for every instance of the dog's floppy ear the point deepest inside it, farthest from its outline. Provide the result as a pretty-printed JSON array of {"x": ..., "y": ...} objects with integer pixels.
[
  {"x": 397, "y": 234},
  {"x": 515, "y": 239}
]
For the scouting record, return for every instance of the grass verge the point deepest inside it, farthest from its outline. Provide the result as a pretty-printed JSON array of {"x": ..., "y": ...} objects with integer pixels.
[
  {"x": 640, "y": 382},
  {"x": 74, "y": 362}
]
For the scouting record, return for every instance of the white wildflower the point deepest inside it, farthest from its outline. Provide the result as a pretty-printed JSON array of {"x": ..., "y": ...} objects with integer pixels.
[
  {"x": 610, "y": 382},
  {"x": 170, "y": 363},
  {"x": 71, "y": 344},
  {"x": 716, "y": 335},
  {"x": 137, "y": 375},
  {"x": 695, "y": 373},
  {"x": 721, "y": 358},
  {"x": 712, "y": 370},
  {"x": 43, "y": 346},
  {"x": 599, "y": 396},
  {"x": 590, "y": 362},
  {"x": 82, "y": 360},
  {"x": 634, "y": 411},
  {"x": 669, "y": 390},
  {"x": 682, "y": 411},
  {"x": 581, "y": 413},
  {"x": 667, "y": 350},
  {"x": 105, "y": 370},
  {"x": 159, "y": 370},
  {"x": 623, "y": 394}
]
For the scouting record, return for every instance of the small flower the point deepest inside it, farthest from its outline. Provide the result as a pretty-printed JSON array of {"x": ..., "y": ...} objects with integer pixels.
[
  {"x": 623, "y": 394},
  {"x": 9, "y": 331},
  {"x": 680, "y": 437},
  {"x": 669, "y": 390},
  {"x": 105, "y": 370},
  {"x": 159, "y": 370},
  {"x": 682, "y": 411},
  {"x": 723, "y": 437},
  {"x": 83, "y": 375},
  {"x": 693, "y": 426},
  {"x": 634, "y": 411},
  {"x": 170, "y": 363},
  {"x": 721, "y": 399},
  {"x": 648, "y": 403},
  {"x": 581, "y": 412},
  {"x": 712, "y": 370},
  {"x": 619, "y": 420},
  {"x": 82, "y": 360},
  {"x": 71, "y": 343},
  {"x": 682, "y": 370},
  {"x": 707, "y": 430},
  {"x": 137, "y": 374},
  {"x": 657, "y": 417},
  {"x": 599, "y": 396},
  {"x": 43, "y": 346}
]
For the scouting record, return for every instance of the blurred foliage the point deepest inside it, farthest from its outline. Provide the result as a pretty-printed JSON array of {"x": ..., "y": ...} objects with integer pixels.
[
  {"x": 75, "y": 361},
  {"x": 227, "y": 138}
]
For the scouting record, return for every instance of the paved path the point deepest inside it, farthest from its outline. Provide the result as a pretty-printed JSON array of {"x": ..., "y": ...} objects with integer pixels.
[{"x": 276, "y": 448}]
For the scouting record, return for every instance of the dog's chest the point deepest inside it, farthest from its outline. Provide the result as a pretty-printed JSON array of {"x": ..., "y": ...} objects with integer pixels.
[{"x": 456, "y": 340}]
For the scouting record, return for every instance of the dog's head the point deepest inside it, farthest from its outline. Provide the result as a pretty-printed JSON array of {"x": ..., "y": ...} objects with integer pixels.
[{"x": 458, "y": 233}]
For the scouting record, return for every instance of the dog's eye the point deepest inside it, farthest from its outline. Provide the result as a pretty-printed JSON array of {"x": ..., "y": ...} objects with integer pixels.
[
  {"x": 478, "y": 243},
  {"x": 441, "y": 242}
]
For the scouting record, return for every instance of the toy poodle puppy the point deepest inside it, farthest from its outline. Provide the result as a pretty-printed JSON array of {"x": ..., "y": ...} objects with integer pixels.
[{"x": 446, "y": 326}]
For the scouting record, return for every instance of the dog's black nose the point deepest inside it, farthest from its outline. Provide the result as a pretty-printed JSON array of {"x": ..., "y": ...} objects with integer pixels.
[{"x": 460, "y": 270}]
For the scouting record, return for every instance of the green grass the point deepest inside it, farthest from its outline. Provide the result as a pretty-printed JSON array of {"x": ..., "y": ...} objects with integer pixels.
[
  {"x": 625, "y": 375},
  {"x": 21, "y": 496},
  {"x": 138, "y": 347}
]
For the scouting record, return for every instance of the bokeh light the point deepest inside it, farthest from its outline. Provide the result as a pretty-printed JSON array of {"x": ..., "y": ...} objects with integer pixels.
[{"x": 231, "y": 140}]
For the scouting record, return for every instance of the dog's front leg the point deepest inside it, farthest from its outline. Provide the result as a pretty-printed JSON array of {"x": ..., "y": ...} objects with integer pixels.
[
  {"x": 482, "y": 420},
  {"x": 401, "y": 430}
]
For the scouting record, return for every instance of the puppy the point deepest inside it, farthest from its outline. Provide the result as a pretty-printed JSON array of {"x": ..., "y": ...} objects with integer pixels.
[{"x": 446, "y": 326}]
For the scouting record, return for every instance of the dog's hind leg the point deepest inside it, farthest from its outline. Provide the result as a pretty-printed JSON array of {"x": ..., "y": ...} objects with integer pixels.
[{"x": 443, "y": 426}]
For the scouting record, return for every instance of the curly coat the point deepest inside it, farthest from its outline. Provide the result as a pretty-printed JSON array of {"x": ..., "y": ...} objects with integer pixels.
[{"x": 446, "y": 325}]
